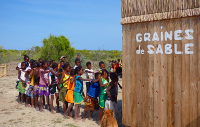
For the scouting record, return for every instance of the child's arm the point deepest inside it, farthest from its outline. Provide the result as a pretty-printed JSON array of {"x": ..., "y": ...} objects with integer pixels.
[
  {"x": 95, "y": 80},
  {"x": 54, "y": 73},
  {"x": 119, "y": 86},
  {"x": 84, "y": 79},
  {"x": 19, "y": 74},
  {"x": 108, "y": 91}
]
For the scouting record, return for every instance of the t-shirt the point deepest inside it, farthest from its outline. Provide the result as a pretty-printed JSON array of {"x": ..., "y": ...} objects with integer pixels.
[
  {"x": 103, "y": 89},
  {"x": 75, "y": 66},
  {"x": 93, "y": 90},
  {"x": 79, "y": 85},
  {"x": 89, "y": 75},
  {"x": 43, "y": 77}
]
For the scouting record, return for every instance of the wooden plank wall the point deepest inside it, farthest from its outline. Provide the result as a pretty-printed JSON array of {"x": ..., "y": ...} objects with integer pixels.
[
  {"x": 3, "y": 70},
  {"x": 161, "y": 90}
]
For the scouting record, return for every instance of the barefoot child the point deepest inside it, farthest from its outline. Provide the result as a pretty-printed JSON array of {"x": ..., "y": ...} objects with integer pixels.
[
  {"x": 91, "y": 101},
  {"x": 53, "y": 87},
  {"x": 64, "y": 81},
  {"x": 89, "y": 74},
  {"x": 70, "y": 93},
  {"x": 78, "y": 91},
  {"x": 22, "y": 82},
  {"x": 43, "y": 84},
  {"x": 104, "y": 83},
  {"x": 112, "y": 92}
]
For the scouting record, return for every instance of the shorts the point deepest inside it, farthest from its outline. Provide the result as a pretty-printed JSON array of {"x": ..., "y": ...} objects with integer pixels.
[
  {"x": 43, "y": 90},
  {"x": 102, "y": 100},
  {"x": 78, "y": 98},
  {"x": 53, "y": 89},
  {"x": 62, "y": 94},
  {"x": 21, "y": 87},
  {"x": 30, "y": 91}
]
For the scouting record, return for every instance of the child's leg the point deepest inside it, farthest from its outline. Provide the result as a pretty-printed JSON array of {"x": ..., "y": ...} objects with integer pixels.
[
  {"x": 90, "y": 114},
  {"x": 41, "y": 102},
  {"x": 27, "y": 101},
  {"x": 100, "y": 114},
  {"x": 51, "y": 103},
  {"x": 32, "y": 101},
  {"x": 76, "y": 111},
  {"x": 36, "y": 102},
  {"x": 43, "y": 97},
  {"x": 57, "y": 101},
  {"x": 64, "y": 108},
  {"x": 79, "y": 110},
  {"x": 47, "y": 100},
  {"x": 70, "y": 109},
  {"x": 20, "y": 97}
]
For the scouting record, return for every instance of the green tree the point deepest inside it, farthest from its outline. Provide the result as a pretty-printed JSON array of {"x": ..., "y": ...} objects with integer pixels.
[{"x": 55, "y": 47}]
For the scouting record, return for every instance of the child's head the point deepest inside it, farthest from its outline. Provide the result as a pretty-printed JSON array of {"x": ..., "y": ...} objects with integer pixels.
[
  {"x": 79, "y": 70},
  {"x": 36, "y": 64},
  {"x": 44, "y": 64},
  {"x": 77, "y": 62},
  {"x": 67, "y": 67},
  {"x": 97, "y": 75},
  {"x": 114, "y": 77},
  {"x": 104, "y": 74},
  {"x": 72, "y": 72},
  {"x": 102, "y": 65},
  {"x": 62, "y": 63},
  {"x": 26, "y": 58},
  {"x": 89, "y": 65},
  {"x": 54, "y": 66},
  {"x": 23, "y": 65}
]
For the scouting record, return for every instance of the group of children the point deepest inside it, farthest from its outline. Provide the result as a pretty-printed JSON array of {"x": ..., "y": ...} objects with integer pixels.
[{"x": 45, "y": 80}]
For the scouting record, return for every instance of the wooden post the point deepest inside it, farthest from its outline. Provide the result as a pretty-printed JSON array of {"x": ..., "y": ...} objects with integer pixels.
[{"x": 3, "y": 70}]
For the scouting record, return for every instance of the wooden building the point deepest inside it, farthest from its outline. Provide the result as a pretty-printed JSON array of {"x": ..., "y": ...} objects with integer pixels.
[{"x": 161, "y": 63}]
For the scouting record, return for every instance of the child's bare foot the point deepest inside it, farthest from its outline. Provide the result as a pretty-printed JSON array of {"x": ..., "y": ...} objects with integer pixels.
[
  {"x": 37, "y": 109},
  {"x": 41, "y": 110},
  {"x": 52, "y": 112}
]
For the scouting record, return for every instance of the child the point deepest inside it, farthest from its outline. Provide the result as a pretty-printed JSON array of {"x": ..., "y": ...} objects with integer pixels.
[
  {"x": 53, "y": 87},
  {"x": 91, "y": 100},
  {"x": 112, "y": 92},
  {"x": 104, "y": 83},
  {"x": 89, "y": 74},
  {"x": 22, "y": 82},
  {"x": 30, "y": 82},
  {"x": 35, "y": 75},
  {"x": 70, "y": 92},
  {"x": 64, "y": 80},
  {"x": 77, "y": 63},
  {"x": 43, "y": 84},
  {"x": 78, "y": 91},
  {"x": 101, "y": 66}
]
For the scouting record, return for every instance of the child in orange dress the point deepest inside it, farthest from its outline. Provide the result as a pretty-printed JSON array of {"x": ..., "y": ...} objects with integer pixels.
[{"x": 70, "y": 92}]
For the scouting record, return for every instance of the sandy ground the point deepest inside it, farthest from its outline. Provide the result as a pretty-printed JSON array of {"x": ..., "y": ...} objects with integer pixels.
[{"x": 13, "y": 114}]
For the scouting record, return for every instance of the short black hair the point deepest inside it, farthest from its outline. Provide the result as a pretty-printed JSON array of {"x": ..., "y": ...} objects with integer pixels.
[
  {"x": 88, "y": 63},
  {"x": 77, "y": 60},
  {"x": 101, "y": 62},
  {"x": 54, "y": 65},
  {"x": 78, "y": 69},
  {"x": 66, "y": 65},
  {"x": 96, "y": 75},
  {"x": 73, "y": 72},
  {"x": 113, "y": 76}
]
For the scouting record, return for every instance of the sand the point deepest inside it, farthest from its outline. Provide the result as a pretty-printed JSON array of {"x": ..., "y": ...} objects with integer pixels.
[{"x": 13, "y": 114}]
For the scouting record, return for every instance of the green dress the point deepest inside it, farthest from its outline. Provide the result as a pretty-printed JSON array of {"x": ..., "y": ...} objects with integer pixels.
[{"x": 103, "y": 96}]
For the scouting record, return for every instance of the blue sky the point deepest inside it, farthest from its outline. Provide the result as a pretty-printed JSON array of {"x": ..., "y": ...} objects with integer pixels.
[{"x": 89, "y": 24}]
